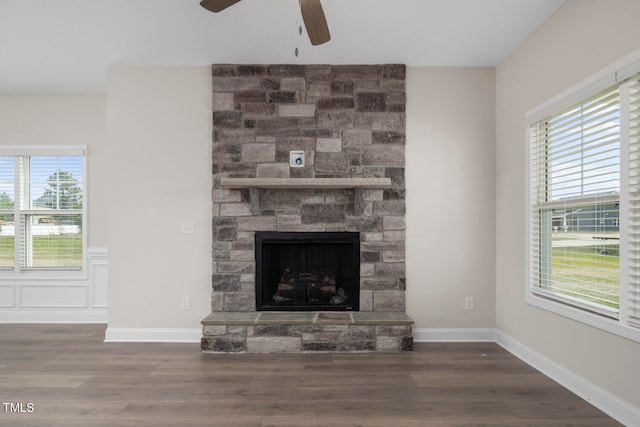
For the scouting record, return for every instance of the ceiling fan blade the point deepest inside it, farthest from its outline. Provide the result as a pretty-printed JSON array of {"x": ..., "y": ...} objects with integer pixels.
[
  {"x": 217, "y": 5},
  {"x": 315, "y": 21}
]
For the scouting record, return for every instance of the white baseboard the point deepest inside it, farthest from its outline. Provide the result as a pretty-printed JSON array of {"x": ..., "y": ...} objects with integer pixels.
[
  {"x": 454, "y": 335},
  {"x": 610, "y": 404},
  {"x": 55, "y": 316},
  {"x": 194, "y": 335},
  {"x": 185, "y": 335}
]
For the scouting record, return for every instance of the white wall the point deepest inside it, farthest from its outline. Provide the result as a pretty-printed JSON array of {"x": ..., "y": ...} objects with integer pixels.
[
  {"x": 578, "y": 40},
  {"x": 159, "y": 152},
  {"x": 450, "y": 196}
]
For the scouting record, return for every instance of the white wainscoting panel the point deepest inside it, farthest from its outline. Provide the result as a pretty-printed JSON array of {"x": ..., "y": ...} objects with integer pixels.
[
  {"x": 58, "y": 300},
  {"x": 7, "y": 295},
  {"x": 53, "y": 295},
  {"x": 99, "y": 276}
]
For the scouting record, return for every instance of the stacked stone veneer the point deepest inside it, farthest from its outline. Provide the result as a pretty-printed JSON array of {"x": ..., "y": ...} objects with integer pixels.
[{"x": 350, "y": 122}]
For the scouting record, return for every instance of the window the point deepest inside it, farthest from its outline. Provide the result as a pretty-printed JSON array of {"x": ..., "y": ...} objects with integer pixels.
[
  {"x": 575, "y": 166},
  {"x": 584, "y": 200},
  {"x": 42, "y": 214}
]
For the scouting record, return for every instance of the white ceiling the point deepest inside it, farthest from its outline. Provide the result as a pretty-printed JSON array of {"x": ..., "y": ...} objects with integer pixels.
[{"x": 65, "y": 46}]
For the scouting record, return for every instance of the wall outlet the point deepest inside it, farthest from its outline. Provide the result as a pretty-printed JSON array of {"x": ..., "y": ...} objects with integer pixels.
[
  {"x": 469, "y": 303},
  {"x": 185, "y": 303}
]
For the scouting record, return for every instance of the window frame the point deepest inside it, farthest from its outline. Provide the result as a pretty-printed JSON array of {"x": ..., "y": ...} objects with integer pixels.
[
  {"x": 615, "y": 74},
  {"x": 47, "y": 273}
]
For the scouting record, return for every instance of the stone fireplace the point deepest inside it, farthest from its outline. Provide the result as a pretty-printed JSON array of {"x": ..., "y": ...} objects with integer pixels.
[{"x": 314, "y": 151}]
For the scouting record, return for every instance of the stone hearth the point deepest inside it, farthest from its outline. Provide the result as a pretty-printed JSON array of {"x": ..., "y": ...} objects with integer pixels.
[
  {"x": 349, "y": 121},
  {"x": 266, "y": 332}
]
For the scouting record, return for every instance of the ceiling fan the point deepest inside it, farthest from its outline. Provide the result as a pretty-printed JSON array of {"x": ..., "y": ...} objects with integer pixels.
[{"x": 312, "y": 15}]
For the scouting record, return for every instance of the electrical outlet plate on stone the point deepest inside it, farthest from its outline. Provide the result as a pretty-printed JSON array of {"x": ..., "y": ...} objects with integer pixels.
[{"x": 296, "y": 159}]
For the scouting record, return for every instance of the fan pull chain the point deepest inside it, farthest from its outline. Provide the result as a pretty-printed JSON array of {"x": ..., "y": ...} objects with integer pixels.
[{"x": 297, "y": 51}]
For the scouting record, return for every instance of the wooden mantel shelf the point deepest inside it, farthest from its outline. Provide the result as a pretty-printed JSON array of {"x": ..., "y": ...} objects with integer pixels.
[
  {"x": 305, "y": 183},
  {"x": 255, "y": 184}
]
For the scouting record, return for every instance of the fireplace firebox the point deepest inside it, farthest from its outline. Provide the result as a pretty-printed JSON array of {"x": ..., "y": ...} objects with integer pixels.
[{"x": 305, "y": 271}]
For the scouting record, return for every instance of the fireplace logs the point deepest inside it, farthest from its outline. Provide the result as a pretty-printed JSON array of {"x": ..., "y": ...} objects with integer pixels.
[{"x": 310, "y": 287}]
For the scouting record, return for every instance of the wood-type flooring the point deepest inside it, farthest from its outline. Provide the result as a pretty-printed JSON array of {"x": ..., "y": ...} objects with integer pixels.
[{"x": 65, "y": 375}]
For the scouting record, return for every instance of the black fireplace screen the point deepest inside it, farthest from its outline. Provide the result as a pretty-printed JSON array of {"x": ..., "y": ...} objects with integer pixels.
[{"x": 307, "y": 271}]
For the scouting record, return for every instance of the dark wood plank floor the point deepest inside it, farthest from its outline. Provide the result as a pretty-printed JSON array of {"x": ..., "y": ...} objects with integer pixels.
[{"x": 72, "y": 378}]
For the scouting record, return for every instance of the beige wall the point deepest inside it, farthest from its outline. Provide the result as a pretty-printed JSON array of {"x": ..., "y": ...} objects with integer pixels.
[
  {"x": 450, "y": 196},
  {"x": 64, "y": 120},
  {"x": 159, "y": 155},
  {"x": 159, "y": 142},
  {"x": 155, "y": 171},
  {"x": 578, "y": 40}
]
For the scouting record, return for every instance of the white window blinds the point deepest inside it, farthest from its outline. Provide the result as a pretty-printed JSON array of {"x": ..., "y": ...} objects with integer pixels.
[
  {"x": 41, "y": 208},
  {"x": 575, "y": 187},
  {"x": 7, "y": 222},
  {"x": 51, "y": 207},
  {"x": 583, "y": 206},
  {"x": 582, "y": 150},
  {"x": 634, "y": 201}
]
